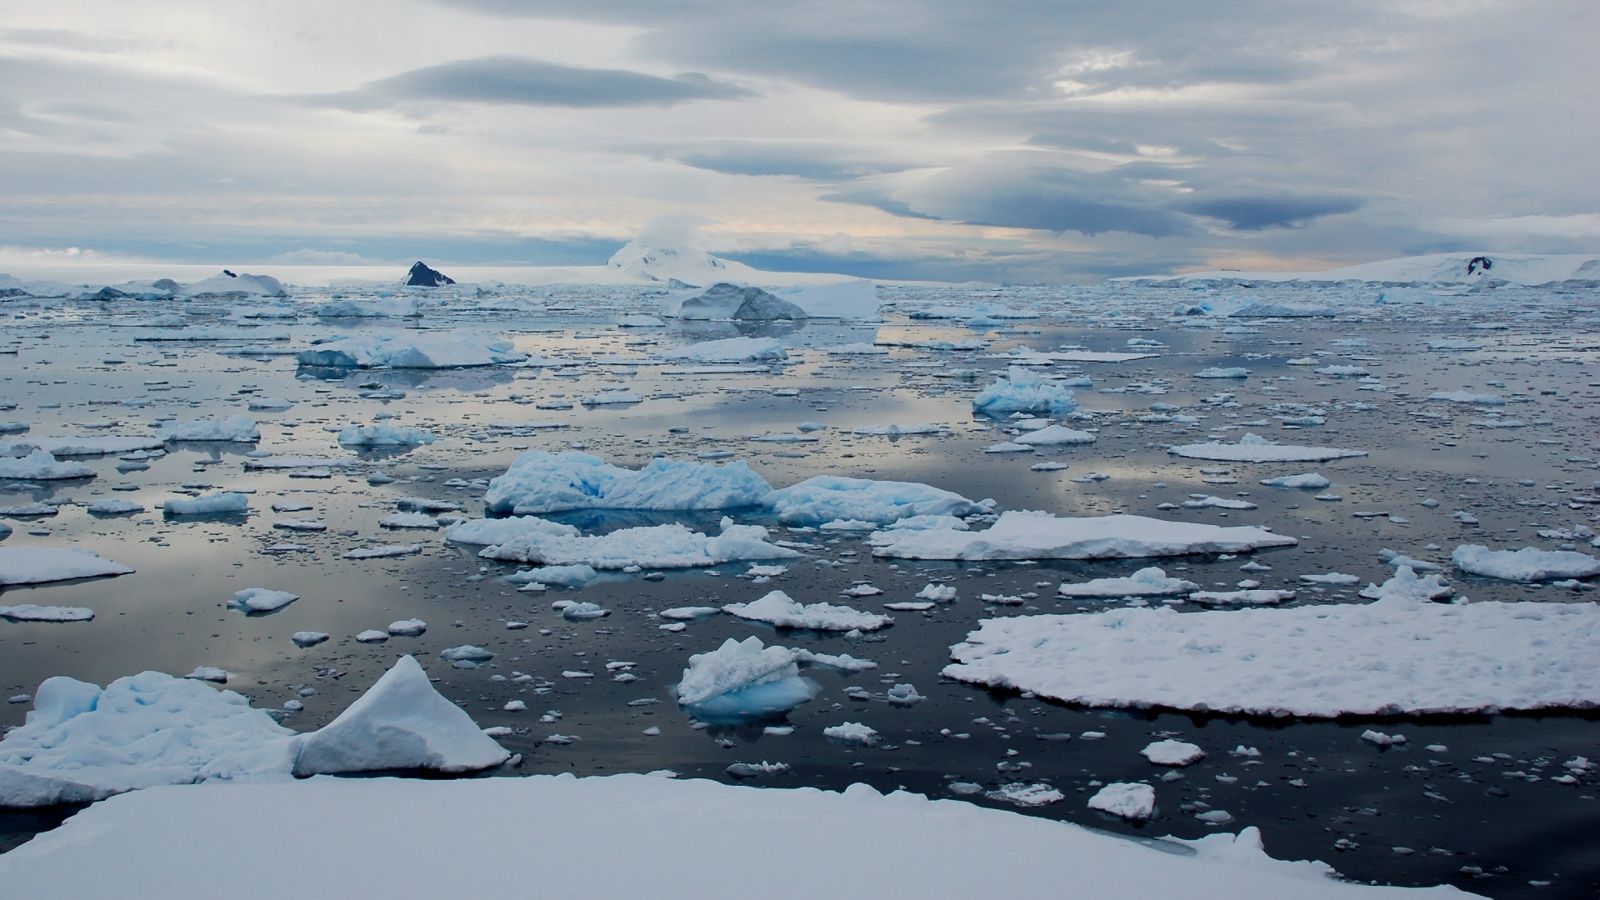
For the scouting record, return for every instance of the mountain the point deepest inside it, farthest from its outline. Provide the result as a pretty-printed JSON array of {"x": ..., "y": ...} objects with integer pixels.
[
  {"x": 646, "y": 259},
  {"x": 422, "y": 276}
]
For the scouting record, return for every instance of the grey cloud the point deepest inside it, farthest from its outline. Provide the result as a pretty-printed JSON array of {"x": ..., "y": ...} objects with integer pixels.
[
  {"x": 823, "y": 161},
  {"x": 530, "y": 82},
  {"x": 1254, "y": 213}
]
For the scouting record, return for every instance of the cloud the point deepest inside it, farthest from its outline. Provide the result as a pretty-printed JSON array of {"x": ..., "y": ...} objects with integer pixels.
[
  {"x": 1254, "y": 213},
  {"x": 522, "y": 81}
]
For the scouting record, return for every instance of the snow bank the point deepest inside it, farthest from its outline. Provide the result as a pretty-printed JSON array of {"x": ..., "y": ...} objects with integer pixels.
[
  {"x": 401, "y": 722},
  {"x": 783, "y": 611},
  {"x": 1041, "y": 535},
  {"x": 1023, "y": 390},
  {"x": 828, "y": 498},
  {"x": 538, "y": 482},
  {"x": 42, "y": 565},
  {"x": 1527, "y": 564},
  {"x": 743, "y": 679},
  {"x": 671, "y": 546},
  {"x": 370, "y": 838},
  {"x": 1255, "y": 448},
  {"x": 410, "y": 351},
  {"x": 1399, "y": 655}
]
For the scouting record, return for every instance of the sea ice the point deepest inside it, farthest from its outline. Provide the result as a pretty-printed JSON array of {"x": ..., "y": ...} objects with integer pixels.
[{"x": 1041, "y": 535}]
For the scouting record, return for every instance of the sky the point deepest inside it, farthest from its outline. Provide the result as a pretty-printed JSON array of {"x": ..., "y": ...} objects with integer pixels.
[{"x": 1007, "y": 140}]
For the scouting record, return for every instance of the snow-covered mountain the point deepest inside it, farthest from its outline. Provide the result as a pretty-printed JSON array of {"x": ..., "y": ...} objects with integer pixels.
[
  {"x": 1445, "y": 269},
  {"x": 643, "y": 258}
]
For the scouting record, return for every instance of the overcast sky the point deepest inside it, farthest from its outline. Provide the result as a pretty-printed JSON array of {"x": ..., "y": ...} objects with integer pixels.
[{"x": 1004, "y": 140}]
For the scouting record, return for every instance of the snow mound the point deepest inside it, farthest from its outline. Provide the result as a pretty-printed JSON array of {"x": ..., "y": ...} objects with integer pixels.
[
  {"x": 828, "y": 498},
  {"x": 743, "y": 679},
  {"x": 670, "y": 546},
  {"x": 538, "y": 482},
  {"x": 410, "y": 351},
  {"x": 1021, "y": 534},
  {"x": 401, "y": 722},
  {"x": 1024, "y": 390},
  {"x": 781, "y": 610},
  {"x": 42, "y": 565},
  {"x": 1255, "y": 448}
]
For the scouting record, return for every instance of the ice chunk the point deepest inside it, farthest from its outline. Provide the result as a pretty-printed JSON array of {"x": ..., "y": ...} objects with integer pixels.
[
  {"x": 261, "y": 600},
  {"x": 1040, "y": 535},
  {"x": 1132, "y": 801},
  {"x": 852, "y": 733},
  {"x": 671, "y": 546},
  {"x": 41, "y": 465},
  {"x": 539, "y": 482},
  {"x": 1527, "y": 564},
  {"x": 29, "y": 612},
  {"x": 1055, "y": 436},
  {"x": 383, "y": 436},
  {"x": 485, "y": 532},
  {"x": 1023, "y": 390},
  {"x": 1147, "y": 582},
  {"x": 411, "y": 351},
  {"x": 743, "y": 678},
  {"x": 41, "y": 565},
  {"x": 779, "y": 609},
  {"x": 1255, "y": 448},
  {"x": 737, "y": 349},
  {"x": 217, "y": 504},
  {"x": 826, "y": 498},
  {"x": 235, "y": 429},
  {"x": 401, "y": 722}
]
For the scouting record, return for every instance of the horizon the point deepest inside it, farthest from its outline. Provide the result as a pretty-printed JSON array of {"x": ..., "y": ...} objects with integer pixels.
[{"x": 1036, "y": 142}]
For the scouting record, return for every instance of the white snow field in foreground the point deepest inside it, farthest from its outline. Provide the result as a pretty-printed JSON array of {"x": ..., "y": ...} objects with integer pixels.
[
  {"x": 1024, "y": 534},
  {"x": 537, "y": 483},
  {"x": 671, "y": 546},
  {"x": 619, "y": 836},
  {"x": 1401, "y": 654},
  {"x": 41, "y": 565},
  {"x": 1255, "y": 448},
  {"x": 83, "y": 743}
]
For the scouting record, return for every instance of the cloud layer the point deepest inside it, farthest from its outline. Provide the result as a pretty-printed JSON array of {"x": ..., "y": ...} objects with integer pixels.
[{"x": 1036, "y": 139}]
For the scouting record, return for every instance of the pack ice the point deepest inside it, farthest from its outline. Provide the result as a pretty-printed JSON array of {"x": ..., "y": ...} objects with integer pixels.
[{"x": 410, "y": 351}]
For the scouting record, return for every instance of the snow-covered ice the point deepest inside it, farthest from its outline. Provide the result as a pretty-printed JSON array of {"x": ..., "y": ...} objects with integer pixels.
[
  {"x": 779, "y": 609},
  {"x": 1041, "y": 535},
  {"x": 1255, "y": 448}
]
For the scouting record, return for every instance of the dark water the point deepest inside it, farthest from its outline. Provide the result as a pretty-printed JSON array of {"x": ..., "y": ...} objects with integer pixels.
[{"x": 1482, "y": 813}]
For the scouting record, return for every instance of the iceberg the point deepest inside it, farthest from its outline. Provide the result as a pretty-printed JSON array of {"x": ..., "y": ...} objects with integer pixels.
[
  {"x": 1147, "y": 582},
  {"x": 383, "y": 436},
  {"x": 217, "y": 504},
  {"x": 235, "y": 429},
  {"x": 41, "y": 465},
  {"x": 1021, "y": 534},
  {"x": 730, "y": 301},
  {"x": 1528, "y": 564}
]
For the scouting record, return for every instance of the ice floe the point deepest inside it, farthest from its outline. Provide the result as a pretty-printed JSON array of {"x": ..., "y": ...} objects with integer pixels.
[{"x": 1021, "y": 534}]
